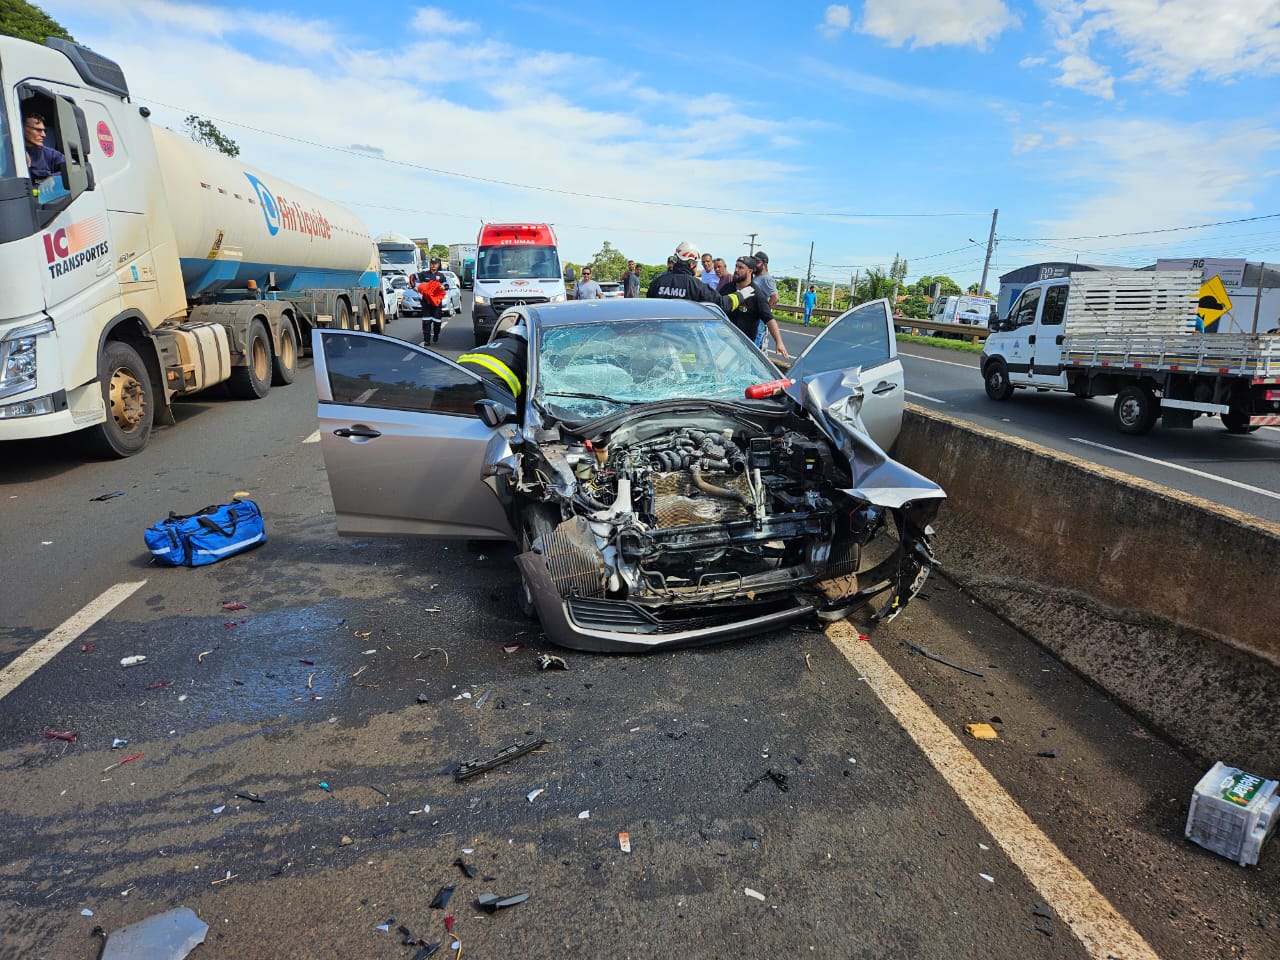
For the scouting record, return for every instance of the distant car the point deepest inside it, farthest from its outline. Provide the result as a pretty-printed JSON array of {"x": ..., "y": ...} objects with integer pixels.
[
  {"x": 453, "y": 297},
  {"x": 410, "y": 302},
  {"x": 392, "y": 296},
  {"x": 611, "y": 289},
  {"x": 666, "y": 486}
]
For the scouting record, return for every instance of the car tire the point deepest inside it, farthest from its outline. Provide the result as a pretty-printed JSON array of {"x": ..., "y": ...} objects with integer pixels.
[
  {"x": 253, "y": 380},
  {"x": 997, "y": 382},
  {"x": 284, "y": 364},
  {"x": 127, "y": 396},
  {"x": 1135, "y": 410}
]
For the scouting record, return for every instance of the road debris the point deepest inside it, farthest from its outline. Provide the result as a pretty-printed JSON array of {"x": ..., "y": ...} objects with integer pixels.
[
  {"x": 482, "y": 699},
  {"x": 234, "y": 605},
  {"x": 1233, "y": 813},
  {"x": 987, "y": 877},
  {"x": 360, "y": 671},
  {"x": 1040, "y": 910},
  {"x": 584, "y": 815},
  {"x": 88, "y": 647},
  {"x": 117, "y": 743},
  {"x": 512, "y": 647},
  {"x": 549, "y": 661},
  {"x": 754, "y": 894},
  {"x": 981, "y": 731},
  {"x": 229, "y": 877},
  {"x": 1049, "y": 754},
  {"x": 325, "y": 787},
  {"x": 470, "y": 768},
  {"x": 937, "y": 659},
  {"x": 624, "y": 842},
  {"x": 441, "y": 899},
  {"x": 423, "y": 698},
  {"x": 468, "y": 870},
  {"x": 492, "y": 903},
  {"x": 121, "y": 763},
  {"x": 132, "y": 661},
  {"x": 251, "y": 797},
  {"x": 106, "y": 496},
  {"x": 68, "y": 735},
  {"x": 166, "y": 936},
  {"x": 345, "y": 841},
  {"x": 779, "y": 781},
  {"x": 532, "y": 795},
  {"x": 158, "y": 685},
  {"x": 219, "y": 809}
]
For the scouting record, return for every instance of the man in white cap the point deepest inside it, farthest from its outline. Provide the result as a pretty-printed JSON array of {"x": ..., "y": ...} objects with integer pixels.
[{"x": 681, "y": 283}]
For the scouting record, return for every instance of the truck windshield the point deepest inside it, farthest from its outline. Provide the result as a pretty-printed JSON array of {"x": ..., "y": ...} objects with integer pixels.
[
  {"x": 402, "y": 255},
  {"x": 506, "y": 262}
]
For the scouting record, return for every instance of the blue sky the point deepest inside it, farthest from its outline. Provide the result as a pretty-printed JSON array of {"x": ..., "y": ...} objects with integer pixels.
[{"x": 870, "y": 128}]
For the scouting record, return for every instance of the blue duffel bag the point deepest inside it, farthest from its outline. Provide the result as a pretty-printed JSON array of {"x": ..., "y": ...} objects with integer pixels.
[{"x": 207, "y": 536}]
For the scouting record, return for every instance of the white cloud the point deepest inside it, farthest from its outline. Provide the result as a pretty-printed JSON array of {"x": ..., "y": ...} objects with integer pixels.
[
  {"x": 835, "y": 21},
  {"x": 929, "y": 23},
  {"x": 1131, "y": 175},
  {"x": 1027, "y": 62},
  {"x": 1166, "y": 42},
  {"x": 433, "y": 21}
]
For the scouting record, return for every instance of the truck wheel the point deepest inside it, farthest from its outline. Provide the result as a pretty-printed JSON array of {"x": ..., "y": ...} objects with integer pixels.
[
  {"x": 342, "y": 316},
  {"x": 1237, "y": 421},
  {"x": 284, "y": 364},
  {"x": 997, "y": 381},
  {"x": 1135, "y": 410},
  {"x": 126, "y": 393},
  {"x": 253, "y": 380},
  {"x": 366, "y": 318}
]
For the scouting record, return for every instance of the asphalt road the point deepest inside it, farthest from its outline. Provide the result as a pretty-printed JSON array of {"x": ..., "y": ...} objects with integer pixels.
[
  {"x": 1238, "y": 471},
  {"x": 364, "y": 664}
]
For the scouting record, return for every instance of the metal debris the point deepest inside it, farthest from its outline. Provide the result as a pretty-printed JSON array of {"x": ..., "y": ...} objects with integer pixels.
[
  {"x": 470, "y": 768},
  {"x": 937, "y": 659},
  {"x": 548, "y": 661},
  {"x": 492, "y": 903},
  {"x": 166, "y": 936}
]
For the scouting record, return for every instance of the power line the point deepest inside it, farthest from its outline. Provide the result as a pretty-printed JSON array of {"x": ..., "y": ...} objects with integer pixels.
[
  {"x": 1143, "y": 233},
  {"x": 570, "y": 193}
]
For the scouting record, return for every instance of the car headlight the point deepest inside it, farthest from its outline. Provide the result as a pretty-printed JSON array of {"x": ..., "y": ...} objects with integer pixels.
[
  {"x": 560, "y": 298},
  {"x": 18, "y": 357},
  {"x": 481, "y": 301}
]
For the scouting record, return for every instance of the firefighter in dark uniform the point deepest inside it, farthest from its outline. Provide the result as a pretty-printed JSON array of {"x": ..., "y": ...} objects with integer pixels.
[
  {"x": 432, "y": 313},
  {"x": 503, "y": 362},
  {"x": 681, "y": 283}
]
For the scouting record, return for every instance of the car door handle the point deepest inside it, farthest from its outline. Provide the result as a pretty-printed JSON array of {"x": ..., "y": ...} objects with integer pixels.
[
  {"x": 1031, "y": 339},
  {"x": 362, "y": 432},
  {"x": 884, "y": 386}
]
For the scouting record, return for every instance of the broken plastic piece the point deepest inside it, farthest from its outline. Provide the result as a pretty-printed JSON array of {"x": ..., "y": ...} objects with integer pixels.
[
  {"x": 117, "y": 743},
  {"x": 106, "y": 496},
  {"x": 493, "y": 903},
  {"x": 754, "y": 894},
  {"x": 448, "y": 924},
  {"x": 121, "y": 763},
  {"x": 549, "y": 660},
  {"x": 466, "y": 868},
  {"x": 981, "y": 731},
  {"x": 158, "y": 685},
  {"x": 532, "y": 795},
  {"x": 624, "y": 842},
  {"x": 427, "y": 951},
  {"x": 1040, "y": 910},
  {"x": 132, "y": 661},
  {"x": 480, "y": 702},
  {"x": 68, "y": 735},
  {"x": 937, "y": 659},
  {"x": 166, "y": 936},
  {"x": 987, "y": 877},
  {"x": 469, "y": 768},
  {"x": 512, "y": 647},
  {"x": 441, "y": 899},
  {"x": 251, "y": 797},
  {"x": 325, "y": 787},
  {"x": 234, "y": 606},
  {"x": 779, "y": 781},
  {"x": 1049, "y": 754}
]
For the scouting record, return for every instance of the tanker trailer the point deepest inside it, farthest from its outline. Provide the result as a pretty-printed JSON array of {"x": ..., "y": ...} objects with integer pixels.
[{"x": 150, "y": 267}]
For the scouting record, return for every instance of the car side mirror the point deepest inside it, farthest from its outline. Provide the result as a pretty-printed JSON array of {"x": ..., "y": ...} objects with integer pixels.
[{"x": 494, "y": 413}]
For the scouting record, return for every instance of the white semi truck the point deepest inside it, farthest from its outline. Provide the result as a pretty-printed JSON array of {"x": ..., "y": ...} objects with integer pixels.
[
  {"x": 399, "y": 254},
  {"x": 150, "y": 267},
  {"x": 1132, "y": 334}
]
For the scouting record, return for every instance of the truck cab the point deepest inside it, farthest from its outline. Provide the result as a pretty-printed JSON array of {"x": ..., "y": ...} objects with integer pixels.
[
  {"x": 1025, "y": 348},
  {"x": 516, "y": 264}
]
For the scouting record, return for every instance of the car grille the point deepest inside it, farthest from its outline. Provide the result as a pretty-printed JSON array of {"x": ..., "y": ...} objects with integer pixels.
[
  {"x": 623, "y": 616},
  {"x": 502, "y": 303}
]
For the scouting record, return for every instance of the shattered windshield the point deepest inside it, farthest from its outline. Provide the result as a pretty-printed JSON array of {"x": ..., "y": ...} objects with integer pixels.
[{"x": 588, "y": 370}]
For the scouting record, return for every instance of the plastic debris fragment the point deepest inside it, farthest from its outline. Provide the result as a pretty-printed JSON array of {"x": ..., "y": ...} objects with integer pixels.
[
  {"x": 251, "y": 797},
  {"x": 585, "y": 815},
  {"x": 466, "y": 868},
  {"x": 987, "y": 877},
  {"x": 219, "y": 809},
  {"x": 512, "y": 647},
  {"x": 68, "y": 735},
  {"x": 483, "y": 698},
  {"x": 981, "y": 731},
  {"x": 532, "y": 795},
  {"x": 132, "y": 661},
  {"x": 325, "y": 787},
  {"x": 121, "y": 763},
  {"x": 491, "y": 903},
  {"x": 441, "y": 899},
  {"x": 86, "y": 912},
  {"x": 624, "y": 842},
  {"x": 117, "y": 743},
  {"x": 171, "y": 935},
  {"x": 779, "y": 781},
  {"x": 548, "y": 661},
  {"x": 427, "y": 951},
  {"x": 1049, "y": 754},
  {"x": 234, "y": 606},
  {"x": 1040, "y": 910},
  {"x": 469, "y": 768},
  {"x": 937, "y": 659},
  {"x": 448, "y": 924},
  {"x": 106, "y": 496},
  {"x": 754, "y": 894}
]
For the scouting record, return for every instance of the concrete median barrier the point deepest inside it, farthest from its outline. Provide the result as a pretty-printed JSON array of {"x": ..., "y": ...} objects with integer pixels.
[{"x": 1169, "y": 602}]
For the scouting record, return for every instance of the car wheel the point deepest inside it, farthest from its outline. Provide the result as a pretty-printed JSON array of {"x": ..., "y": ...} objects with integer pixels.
[
  {"x": 253, "y": 380},
  {"x": 126, "y": 393},
  {"x": 284, "y": 365},
  {"x": 997, "y": 381},
  {"x": 1135, "y": 410}
]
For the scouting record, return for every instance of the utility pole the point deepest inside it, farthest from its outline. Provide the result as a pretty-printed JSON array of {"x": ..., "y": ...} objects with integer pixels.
[
  {"x": 991, "y": 243},
  {"x": 752, "y": 245},
  {"x": 808, "y": 274},
  {"x": 1257, "y": 303}
]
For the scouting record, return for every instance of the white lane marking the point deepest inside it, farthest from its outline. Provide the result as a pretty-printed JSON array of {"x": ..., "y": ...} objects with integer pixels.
[
  {"x": 924, "y": 396},
  {"x": 1174, "y": 466},
  {"x": 42, "y": 651},
  {"x": 950, "y": 363},
  {"x": 1095, "y": 922},
  {"x": 314, "y": 438}
]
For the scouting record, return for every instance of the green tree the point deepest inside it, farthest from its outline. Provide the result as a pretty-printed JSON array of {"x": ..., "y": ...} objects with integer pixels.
[
  {"x": 915, "y": 305},
  {"x": 441, "y": 250},
  {"x": 26, "y": 21},
  {"x": 609, "y": 263},
  {"x": 876, "y": 285},
  {"x": 924, "y": 286},
  {"x": 207, "y": 132}
]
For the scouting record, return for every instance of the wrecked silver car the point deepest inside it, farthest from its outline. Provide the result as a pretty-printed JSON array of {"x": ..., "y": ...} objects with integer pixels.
[{"x": 665, "y": 484}]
